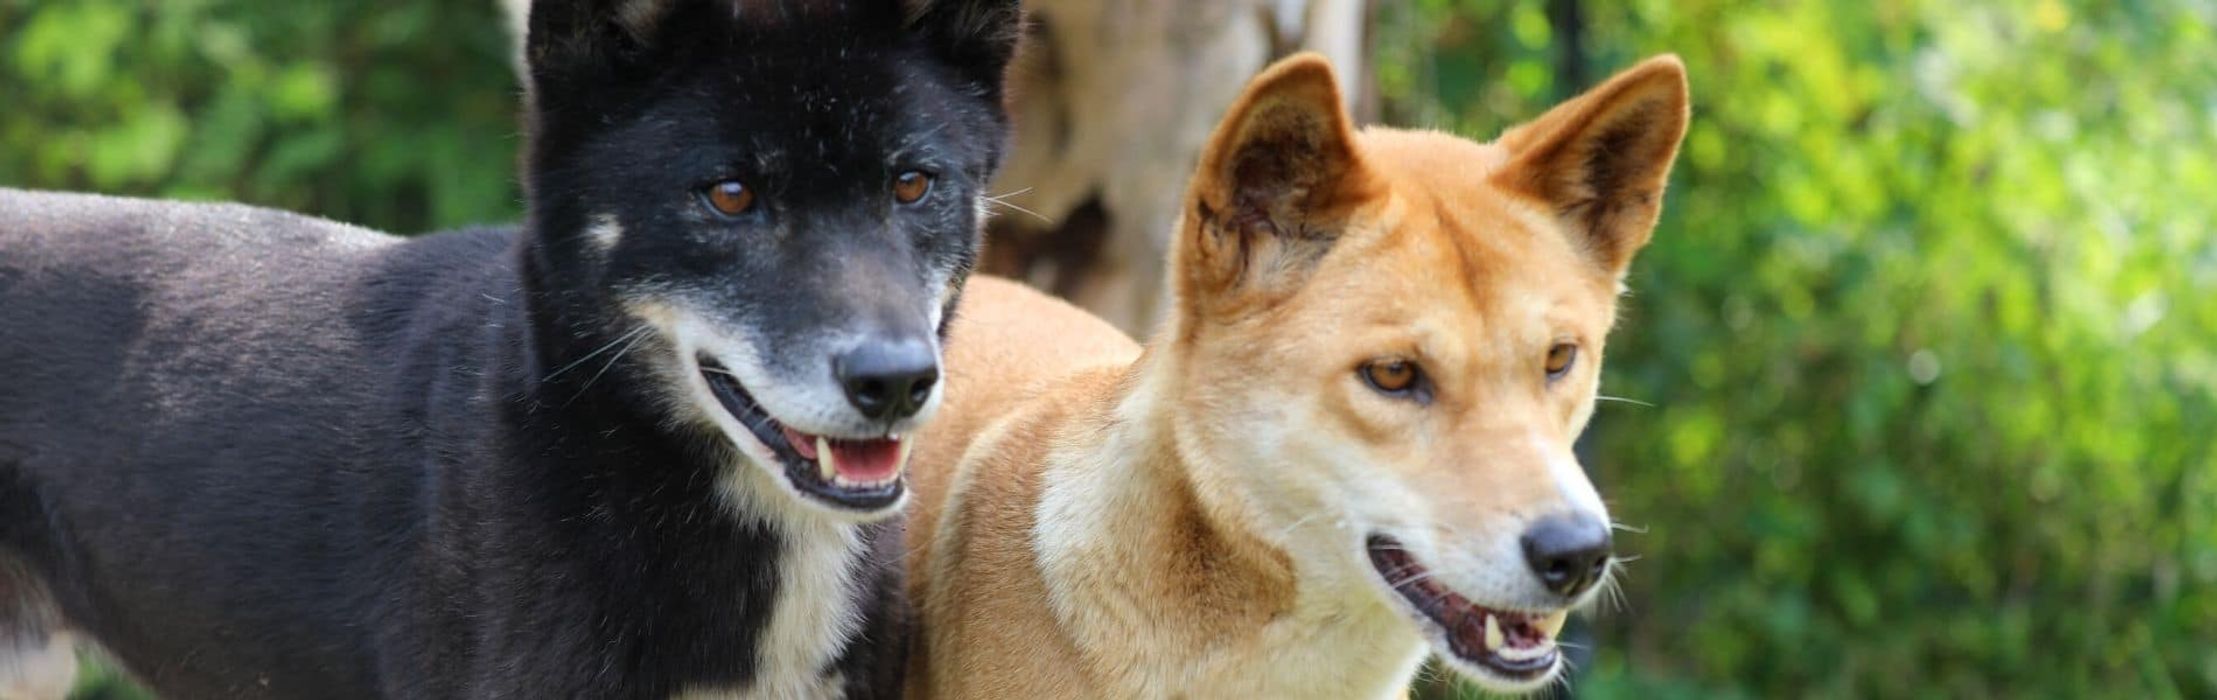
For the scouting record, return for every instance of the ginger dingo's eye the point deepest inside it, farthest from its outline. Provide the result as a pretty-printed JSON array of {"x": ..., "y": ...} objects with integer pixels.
[
  {"x": 729, "y": 197},
  {"x": 911, "y": 185},
  {"x": 1559, "y": 359},
  {"x": 1396, "y": 378}
]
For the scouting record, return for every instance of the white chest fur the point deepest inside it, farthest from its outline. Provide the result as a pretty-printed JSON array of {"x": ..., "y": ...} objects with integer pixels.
[
  {"x": 1337, "y": 641},
  {"x": 812, "y": 617},
  {"x": 815, "y": 611}
]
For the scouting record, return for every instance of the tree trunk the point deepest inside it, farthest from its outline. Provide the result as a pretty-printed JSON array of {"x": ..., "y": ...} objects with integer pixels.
[{"x": 1114, "y": 99}]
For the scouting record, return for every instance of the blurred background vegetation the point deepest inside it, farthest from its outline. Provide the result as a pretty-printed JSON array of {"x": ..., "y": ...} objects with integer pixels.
[
  {"x": 397, "y": 115},
  {"x": 1929, "y": 329},
  {"x": 1928, "y": 334}
]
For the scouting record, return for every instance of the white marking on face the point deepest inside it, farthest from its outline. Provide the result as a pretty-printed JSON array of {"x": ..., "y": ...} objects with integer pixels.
[
  {"x": 1570, "y": 478},
  {"x": 1322, "y": 496},
  {"x": 605, "y": 232},
  {"x": 942, "y": 289},
  {"x": 814, "y": 404},
  {"x": 815, "y": 407},
  {"x": 764, "y": 489}
]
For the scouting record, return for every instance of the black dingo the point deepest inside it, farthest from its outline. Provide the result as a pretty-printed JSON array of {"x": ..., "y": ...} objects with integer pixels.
[{"x": 650, "y": 444}]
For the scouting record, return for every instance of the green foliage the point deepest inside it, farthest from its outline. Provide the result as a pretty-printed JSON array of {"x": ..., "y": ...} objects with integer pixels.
[
  {"x": 400, "y": 115},
  {"x": 1930, "y": 327},
  {"x": 97, "y": 680}
]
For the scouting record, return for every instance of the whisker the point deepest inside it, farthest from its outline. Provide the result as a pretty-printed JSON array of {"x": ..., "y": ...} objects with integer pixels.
[
  {"x": 633, "y": 335},
  {"x": 1621, "y": 527},
  {"x": 1620, "y": 399},
  {"x": 752, "y": 410},
  {"x": 636, "y": 337},
  {"x": 918, "y": 137},
  {"x": 1036, "y": 215},
  {"x": 1003, "y": 202},
  {"x": 1612, "y": 587},
  {"x": 1429, "y": 674},
  {"x": 1419, "y": 578},
  {"x": 1562, "y": 680},
  {"x": 1298, "y": 523}
]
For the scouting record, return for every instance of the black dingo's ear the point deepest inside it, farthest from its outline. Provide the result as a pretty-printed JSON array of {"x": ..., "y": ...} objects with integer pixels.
[
  {"x": 568, "y": 42},
  {"x": 1269, "y": 195},
  {"x": 1601, "y": 159},
  {"x": 976, "y": 37},
  {"x": 563, "y": 37}
]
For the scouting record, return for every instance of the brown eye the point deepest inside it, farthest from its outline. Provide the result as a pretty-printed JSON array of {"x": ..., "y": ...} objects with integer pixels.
[
  {"x": 910, "y": 186},
  {"x": 729, "y": 197},
  {"x": 1391, "y": 376},
  {"x": 1559, "y": 359}
]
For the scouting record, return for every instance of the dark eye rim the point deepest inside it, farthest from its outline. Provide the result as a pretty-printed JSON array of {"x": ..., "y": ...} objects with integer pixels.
[
  {"x": 706, "y": 193},
  {"x": 1568, "y": 364},
  {"x": 931, "y": 183},
  {"x": 1419, "y": 389}
]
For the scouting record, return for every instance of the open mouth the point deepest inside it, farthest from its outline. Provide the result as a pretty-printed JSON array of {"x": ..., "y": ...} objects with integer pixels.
[
  {"x": 1517, "y": 646},
  {"x": 855, "y": 474}
]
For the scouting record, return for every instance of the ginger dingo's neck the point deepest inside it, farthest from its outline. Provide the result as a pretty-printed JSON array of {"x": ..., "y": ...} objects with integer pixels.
[{"x": 1167, "y": 579}]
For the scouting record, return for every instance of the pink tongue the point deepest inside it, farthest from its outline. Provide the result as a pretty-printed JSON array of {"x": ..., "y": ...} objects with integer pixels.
[
  {"x": 868, "y": 460},
  {"x": 803, "y": 443},
  {"x": 858, "y": 460}
]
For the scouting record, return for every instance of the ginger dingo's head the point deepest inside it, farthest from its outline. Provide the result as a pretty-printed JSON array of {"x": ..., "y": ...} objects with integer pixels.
[{"x": 1386, "y": 341}]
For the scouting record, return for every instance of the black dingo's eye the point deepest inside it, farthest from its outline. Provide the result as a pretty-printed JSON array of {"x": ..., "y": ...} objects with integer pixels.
[
  {"x": 729, "y": 197},
  {"x": 1398, "y": 378},
  {"x": 1560, "y": 358},
  {"x": 910, "y": 186}
]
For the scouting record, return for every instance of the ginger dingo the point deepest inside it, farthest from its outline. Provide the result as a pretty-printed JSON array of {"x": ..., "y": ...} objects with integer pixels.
[{"x": 1350, "y": 444}]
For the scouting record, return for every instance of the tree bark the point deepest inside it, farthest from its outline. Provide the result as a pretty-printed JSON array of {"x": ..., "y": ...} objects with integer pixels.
[{"x": 1114, "y": 100}]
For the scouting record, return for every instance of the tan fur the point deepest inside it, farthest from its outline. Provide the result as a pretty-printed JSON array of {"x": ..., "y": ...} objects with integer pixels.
[{"x": 1094, "y": 521}]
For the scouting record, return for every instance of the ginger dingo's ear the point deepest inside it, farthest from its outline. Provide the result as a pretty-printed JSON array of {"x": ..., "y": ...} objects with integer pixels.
[
  {"x": 1269, "y": 196},
  {"x": 1601, "y": 159}
]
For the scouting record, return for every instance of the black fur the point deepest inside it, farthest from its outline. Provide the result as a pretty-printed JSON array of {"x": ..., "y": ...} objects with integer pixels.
[{"x": 260, "y": 455}]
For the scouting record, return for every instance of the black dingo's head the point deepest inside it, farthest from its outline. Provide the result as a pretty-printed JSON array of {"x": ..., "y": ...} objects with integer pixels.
[{"x": 768, "y": 207}]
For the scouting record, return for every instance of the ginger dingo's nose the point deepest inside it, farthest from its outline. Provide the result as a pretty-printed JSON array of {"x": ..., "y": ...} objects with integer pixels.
[
  {"x": 1568, "y": 552},
  {"x": 888, "y": 379}
]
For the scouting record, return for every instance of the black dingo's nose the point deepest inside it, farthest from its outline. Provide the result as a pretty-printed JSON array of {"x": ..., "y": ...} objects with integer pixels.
[
  {"x": 1568, "y": 552},
  {"x": 888, "y": 379}
]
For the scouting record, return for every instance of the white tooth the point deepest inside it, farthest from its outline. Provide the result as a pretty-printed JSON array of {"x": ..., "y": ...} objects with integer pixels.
[
  {"x": 901, "y": 462},
  {"x": 1493, "y": 633},
  {"x": 827, "y": 466},
  {"x": 1553, "y": 624},
  {"x": 1527, "y": 653}
]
